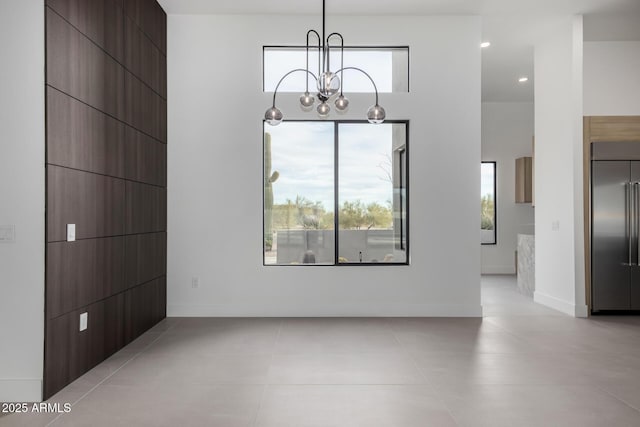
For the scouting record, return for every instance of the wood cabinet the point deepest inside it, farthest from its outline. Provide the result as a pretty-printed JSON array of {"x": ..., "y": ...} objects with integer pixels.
[{"x": 524, "y": 180}]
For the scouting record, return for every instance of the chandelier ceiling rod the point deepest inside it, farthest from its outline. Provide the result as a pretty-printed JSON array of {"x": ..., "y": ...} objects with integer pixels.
[{"x": 324, "y": 16}]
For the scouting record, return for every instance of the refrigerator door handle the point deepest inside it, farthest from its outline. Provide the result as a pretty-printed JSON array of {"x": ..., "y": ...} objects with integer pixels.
[
  {"x": 636, "y": 218},
  {"x": 628, "y": 186}
]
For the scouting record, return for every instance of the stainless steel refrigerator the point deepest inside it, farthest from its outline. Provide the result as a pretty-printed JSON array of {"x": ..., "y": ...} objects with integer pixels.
[{"x": 615, "y": 227}]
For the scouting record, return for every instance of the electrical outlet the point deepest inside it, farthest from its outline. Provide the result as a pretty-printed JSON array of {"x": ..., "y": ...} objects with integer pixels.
[
  {"x": 7, "y": 233},
  {"x": 84, "y": 320},
  {"x": 555, "y": 225},
  {"x": 71, "y": 232},
  {"x": 195, "y": 282}
]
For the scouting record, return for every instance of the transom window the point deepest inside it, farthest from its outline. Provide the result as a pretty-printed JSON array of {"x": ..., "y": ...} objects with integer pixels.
[
  {"x": 388, "y": 66},
  {"x": 336, "y": 193}
]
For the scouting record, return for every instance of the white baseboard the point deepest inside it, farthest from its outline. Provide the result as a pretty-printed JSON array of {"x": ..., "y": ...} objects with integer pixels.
[
  {"x": 329, "y": 310},
  {"x": 555, "y": 303},
  {"x": 498, "y": 269},
  {"x": 582, "y": 311},
  {"x": 27, "y": 390}
]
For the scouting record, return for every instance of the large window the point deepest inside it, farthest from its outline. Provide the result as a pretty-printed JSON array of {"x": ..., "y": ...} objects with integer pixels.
[
  {"x": 335, "y": 193},
  {"x": 388, "y": 66},
  {"x": 488, "y": 203}
]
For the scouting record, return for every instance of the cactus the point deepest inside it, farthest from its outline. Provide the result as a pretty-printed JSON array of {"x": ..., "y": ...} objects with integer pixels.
[{"x": 269, "y": 179}]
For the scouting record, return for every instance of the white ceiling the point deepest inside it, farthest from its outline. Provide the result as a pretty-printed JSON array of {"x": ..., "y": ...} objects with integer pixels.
[{"x": 510, "y": 25}]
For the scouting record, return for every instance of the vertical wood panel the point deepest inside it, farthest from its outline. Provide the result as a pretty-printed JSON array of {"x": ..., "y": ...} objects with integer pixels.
[
  {"x": 144, "y": 59},
  {"x": 150, "y": 17},
  {"x": 145, "y": 110},
  {"x": 114, "y": 324},
  {"x": 146, "y": 257},
  {"x": 146, "y": 208},
  {"x": 100, "y": 20},
  {"x": 152, "y": 256},
  {"x": 95, "y": 203},
  {"x": 82, "y": 137},
  {"x": 81, "y": 69},
  {"x": 145, "y": 305},
  {"x": 83, "y": 272},
  {"x": 146, "y": 158},
  {"x": 70, "y": 352}
]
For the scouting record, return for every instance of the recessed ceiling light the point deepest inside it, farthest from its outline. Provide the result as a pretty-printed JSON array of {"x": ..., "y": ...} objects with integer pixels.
[
  {"x": 523, "y": 79},
  {"x": 485, "y": 44}
]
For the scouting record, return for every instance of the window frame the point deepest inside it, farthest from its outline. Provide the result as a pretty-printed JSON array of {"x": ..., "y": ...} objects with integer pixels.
[
  {"x": 367, "y": 47},
  {"x": 495, "y": 202},
  {"x": 336, "y": 206}
]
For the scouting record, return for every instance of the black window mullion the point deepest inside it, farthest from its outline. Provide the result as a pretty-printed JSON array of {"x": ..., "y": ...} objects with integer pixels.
[{"x": 336, "y": 203}]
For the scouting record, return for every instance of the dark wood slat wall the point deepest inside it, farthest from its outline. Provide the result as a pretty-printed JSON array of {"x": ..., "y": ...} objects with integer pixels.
[{"x": 106, "y": 173}]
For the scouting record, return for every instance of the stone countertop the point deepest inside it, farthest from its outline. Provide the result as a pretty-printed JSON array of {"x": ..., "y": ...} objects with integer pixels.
[{"x": 526, "y": 264}]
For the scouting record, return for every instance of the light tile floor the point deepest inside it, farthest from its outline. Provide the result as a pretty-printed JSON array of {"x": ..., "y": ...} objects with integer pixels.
[{"x": 522, "y": 365}]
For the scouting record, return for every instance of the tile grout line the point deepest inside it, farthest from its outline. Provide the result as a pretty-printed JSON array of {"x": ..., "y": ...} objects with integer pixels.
[
  {"x": 135, "y": 356},
  {"x": 408, "y": 354},
  {"x": 428, "y": 383},
  {"x": 266, "y": 385},
  {"x": 618, "y": 398}
]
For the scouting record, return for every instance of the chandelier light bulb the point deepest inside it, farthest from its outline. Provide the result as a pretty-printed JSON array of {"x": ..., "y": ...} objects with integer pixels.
[
  {"x": 306, "y": 101},
  {"x": 342, "y": 104},
  {"x": 376, "y": 114},
  {"x": 273, "y": 116},
  {"x": 323, "y": 109},
  {"x": 328, "y": 84}
]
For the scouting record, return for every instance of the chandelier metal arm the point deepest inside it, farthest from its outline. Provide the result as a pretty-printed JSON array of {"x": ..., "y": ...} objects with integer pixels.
[
  {"x": 341, "y": 56},
  {"x": 319, "y": 53},
  {"x": 275, "y": 92},
  {"x": 366, "y": 74}
]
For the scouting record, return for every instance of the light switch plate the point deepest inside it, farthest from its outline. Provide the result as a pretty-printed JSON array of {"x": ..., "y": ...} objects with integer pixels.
[
  {"x": 555, "y": 226},
  {"x": 84, "y": 319},
  {"x": 71, "y": 232},
  {"x": 7, "y": 233}
]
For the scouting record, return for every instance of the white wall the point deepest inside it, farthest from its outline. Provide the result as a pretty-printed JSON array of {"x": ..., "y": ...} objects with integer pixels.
[
  {"x": 22, "y": 199},
  {"x": 215, "y": 171},
  {"x": 611, "y": 78},
  {"x": 507, "y": 130},
  {"x": 559, "y": 249}
]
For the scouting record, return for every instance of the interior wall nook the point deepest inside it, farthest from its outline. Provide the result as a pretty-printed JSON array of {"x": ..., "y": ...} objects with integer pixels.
[{"x": 216, "y": 174}]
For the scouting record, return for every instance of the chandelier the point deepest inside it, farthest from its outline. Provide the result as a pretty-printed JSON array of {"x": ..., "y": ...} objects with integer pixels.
[{"x": 328, "y": 83}]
